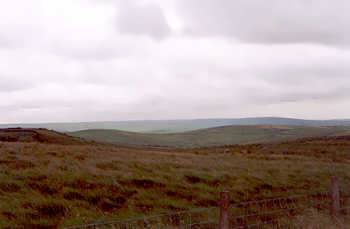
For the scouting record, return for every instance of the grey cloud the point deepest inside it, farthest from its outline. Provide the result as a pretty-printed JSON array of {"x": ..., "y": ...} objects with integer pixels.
[
  {"x": 92, "y": 51},
  {"x": 297, "y": 94},
  {"x": 307, "y": 73},
  {"x": 142, "y": 19},
  {"x": 4, "y": 42},
  {"x": 85, "y": 69},
  {"x": 11, "y": 87},
  {"x": 10, "y": 83},
  {"x": 275, "y": 21},
  {"x": 102, "y": 49},
  {"x": 341, "y": 92}
]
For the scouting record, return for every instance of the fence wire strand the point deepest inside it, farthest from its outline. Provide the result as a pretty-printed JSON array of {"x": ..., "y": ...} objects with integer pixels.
[{"x": 280, "y": 212}]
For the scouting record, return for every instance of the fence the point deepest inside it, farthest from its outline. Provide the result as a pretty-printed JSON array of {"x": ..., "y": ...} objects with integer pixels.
[{"x": 281, "y": 212}]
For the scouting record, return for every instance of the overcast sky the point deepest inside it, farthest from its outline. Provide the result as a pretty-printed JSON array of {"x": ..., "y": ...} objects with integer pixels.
[{"x": 86, "y": 60}]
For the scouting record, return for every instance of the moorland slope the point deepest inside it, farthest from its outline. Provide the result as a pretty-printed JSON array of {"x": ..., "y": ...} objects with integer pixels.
[
  {"x": 45, "y": 185},
  {"x": 37, "y": 135},
  {"x": 218, "y": 136}
]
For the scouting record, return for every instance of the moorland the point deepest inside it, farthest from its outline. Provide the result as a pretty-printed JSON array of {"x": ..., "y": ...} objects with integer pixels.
[{"x": 51, "y": 180}]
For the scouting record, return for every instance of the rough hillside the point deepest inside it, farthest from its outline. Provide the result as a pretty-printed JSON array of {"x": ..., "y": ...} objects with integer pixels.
[
  {"x": 51, "y": 185},
  {"x": 218, "y": 136},
  {"x": 37, "y": 135}
]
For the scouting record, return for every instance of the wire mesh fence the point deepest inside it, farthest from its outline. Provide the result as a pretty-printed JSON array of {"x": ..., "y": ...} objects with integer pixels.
[{"x": 280, "y": 212}]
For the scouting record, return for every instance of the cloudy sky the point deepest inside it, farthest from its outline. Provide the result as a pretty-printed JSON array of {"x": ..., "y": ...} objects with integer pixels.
[{"x": 85, "y": 60}]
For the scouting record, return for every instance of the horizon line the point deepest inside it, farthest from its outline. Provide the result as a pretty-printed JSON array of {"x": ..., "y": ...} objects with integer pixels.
[{"x": 180, "y": 119}]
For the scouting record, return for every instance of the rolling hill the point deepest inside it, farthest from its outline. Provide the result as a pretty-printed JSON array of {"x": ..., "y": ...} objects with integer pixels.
[
  {"x": 218, "y": 136},
  {"x": 59, "y": 185},
  {"x": 173, "y": 126}
]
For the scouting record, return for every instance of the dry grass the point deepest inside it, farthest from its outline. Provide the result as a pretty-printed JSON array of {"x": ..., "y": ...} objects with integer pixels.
[
  {"x": 312, "y": 219},
  {"x": 50, "y": 185}
]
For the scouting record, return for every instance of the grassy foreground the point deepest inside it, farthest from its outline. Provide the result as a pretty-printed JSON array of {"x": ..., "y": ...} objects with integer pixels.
[{"x": 53, "y": 185}]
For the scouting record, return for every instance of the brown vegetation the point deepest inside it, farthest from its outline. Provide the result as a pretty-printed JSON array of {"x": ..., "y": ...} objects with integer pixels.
[
  {"x": 37, "y": 135},
  {"x": 48, "y": 185}
]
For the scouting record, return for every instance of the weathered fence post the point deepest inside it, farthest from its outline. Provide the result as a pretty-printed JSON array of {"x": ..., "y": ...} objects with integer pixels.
[
  {"x": 335, "y": 195},
  {"x": 224, "y": 206}
]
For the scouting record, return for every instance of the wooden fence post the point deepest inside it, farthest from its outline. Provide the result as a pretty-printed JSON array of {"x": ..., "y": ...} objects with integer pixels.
[
  {"x": 224, "y": 206},
  {"x": 335, "y": 195}
]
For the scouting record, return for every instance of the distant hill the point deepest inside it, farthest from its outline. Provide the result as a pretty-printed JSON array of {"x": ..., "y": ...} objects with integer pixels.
[
  {"x": 218, "y": 136},
  {"x": 37, "y": 135},
  {"x": 173, "y": 126}
]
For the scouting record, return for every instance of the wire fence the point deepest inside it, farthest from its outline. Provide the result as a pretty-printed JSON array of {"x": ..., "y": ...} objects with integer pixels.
[
  {"x": 280, "y": 212},
  {"x": 194, "y": 218}
]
